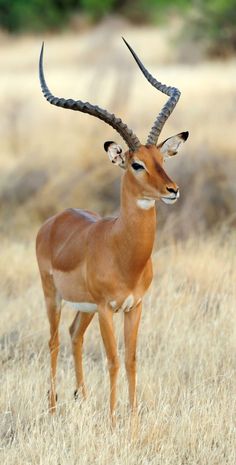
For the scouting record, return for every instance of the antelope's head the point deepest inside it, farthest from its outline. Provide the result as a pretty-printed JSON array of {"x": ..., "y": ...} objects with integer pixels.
[{"x": 143, "y": 163}]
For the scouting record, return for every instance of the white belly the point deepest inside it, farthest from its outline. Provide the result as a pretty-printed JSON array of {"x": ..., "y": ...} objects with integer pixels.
[{"x": 86, "y": 307}]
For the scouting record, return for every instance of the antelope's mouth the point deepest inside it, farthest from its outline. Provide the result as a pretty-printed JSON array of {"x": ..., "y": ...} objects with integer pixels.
[{"x": 170, "y": 198}]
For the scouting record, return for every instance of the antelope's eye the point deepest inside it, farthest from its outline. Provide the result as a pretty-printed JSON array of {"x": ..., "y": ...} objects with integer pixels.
[{"x": 137, "y": 167}]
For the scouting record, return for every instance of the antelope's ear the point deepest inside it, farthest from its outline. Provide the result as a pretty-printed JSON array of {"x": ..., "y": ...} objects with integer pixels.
[
  {"x": 115, "y": 153},
  {"x": 170, "y": 146}
]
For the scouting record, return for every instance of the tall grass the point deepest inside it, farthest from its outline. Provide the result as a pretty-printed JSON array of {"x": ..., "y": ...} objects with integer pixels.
[{"x": 186, "y": 369}]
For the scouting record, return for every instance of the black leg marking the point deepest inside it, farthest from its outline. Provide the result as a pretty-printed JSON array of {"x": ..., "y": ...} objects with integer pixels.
[{"x": 48, "y": 394}]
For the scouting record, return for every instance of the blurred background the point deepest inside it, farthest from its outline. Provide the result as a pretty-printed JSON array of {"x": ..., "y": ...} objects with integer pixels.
[{"x": 52, "y": 159}]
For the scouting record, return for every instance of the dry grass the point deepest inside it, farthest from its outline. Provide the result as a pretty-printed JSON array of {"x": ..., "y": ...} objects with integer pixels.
[
  {"x": 186, "y": 376},
  {"x": 51, "y": 159}
]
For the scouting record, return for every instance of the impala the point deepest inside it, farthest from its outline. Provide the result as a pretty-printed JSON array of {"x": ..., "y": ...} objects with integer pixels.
[{"x": 103, "y": 265}]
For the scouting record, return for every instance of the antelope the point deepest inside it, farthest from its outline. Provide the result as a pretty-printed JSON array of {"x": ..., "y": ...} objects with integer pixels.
[{"x": 103, "y": 265}]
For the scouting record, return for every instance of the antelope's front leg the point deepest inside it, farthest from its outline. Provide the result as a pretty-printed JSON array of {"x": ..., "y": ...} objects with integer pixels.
[
  {"x": 109, "y": 340},
  {"x": 131, "y": 325}
]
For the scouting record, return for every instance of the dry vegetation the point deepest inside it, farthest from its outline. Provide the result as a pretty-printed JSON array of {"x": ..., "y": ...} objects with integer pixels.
[{"x": 51, "y": 159}]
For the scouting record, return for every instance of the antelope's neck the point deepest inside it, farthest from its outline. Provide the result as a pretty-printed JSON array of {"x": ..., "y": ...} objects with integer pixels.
[{"x": 136, "y": 225}]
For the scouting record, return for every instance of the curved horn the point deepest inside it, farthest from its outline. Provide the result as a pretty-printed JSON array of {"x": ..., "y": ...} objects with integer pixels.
[
  {"x": 166, "y": 111},
  {"x": 85, "y": 107}
]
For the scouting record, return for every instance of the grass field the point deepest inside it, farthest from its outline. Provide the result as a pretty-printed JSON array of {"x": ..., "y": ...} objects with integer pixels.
[{"x": 52, "y": 159}]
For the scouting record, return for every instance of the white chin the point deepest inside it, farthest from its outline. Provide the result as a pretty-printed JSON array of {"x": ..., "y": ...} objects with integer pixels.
[{"x": 168, "y": 201}]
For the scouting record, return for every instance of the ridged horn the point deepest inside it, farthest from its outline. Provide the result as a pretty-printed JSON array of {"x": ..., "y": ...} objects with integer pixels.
[
  {"x": 166, "y": 111},
  {"x": 85, "y": 107}
]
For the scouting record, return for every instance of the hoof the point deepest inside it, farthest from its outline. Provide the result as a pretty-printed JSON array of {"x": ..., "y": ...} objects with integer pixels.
[{"x": 76, "y": 394}]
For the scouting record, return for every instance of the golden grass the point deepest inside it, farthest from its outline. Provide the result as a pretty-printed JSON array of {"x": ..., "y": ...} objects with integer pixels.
[
  {"x": 186, "y": 370},
  {"x": 51, "y": 159}
]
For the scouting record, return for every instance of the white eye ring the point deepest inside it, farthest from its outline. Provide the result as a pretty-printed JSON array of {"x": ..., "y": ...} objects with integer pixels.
[{"x": 138, "y": 165}]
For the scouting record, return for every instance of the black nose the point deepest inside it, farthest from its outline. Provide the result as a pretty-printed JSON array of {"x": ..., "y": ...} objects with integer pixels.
[{"x": 171, "y": 190}]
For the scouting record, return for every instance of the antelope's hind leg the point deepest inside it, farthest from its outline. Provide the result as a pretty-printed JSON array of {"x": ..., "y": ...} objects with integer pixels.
[
  {"x": 53, "y": 304},
  {"x": 77, "y": 330}
]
